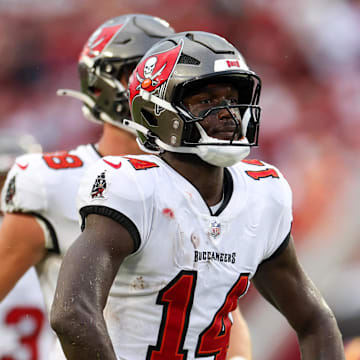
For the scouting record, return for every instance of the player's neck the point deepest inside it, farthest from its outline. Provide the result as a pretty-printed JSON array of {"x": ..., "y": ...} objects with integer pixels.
[
  {"x": 206, "y": 178},
  {"x": 115, "y": 141}
]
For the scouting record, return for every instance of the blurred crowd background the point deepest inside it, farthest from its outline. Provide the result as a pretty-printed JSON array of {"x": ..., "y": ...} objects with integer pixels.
[{"x": 308, "y": 56}]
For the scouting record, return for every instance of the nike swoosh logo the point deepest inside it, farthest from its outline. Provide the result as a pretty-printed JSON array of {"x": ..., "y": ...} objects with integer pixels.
[
  {"x": 22, "y": 167},
  {"x": 115, "y": 166}
]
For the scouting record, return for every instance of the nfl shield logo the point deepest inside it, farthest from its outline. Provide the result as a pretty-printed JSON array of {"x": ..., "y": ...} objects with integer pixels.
[{"x": 215, "y": 229}]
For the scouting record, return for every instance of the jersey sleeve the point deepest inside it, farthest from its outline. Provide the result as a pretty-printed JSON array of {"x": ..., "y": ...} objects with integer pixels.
[
  {"x": 281, "y": 211},
  {"x": 272, "y": 204},
  {"x": 112, "y": 188},
  {"x": 24, "y": 190}
]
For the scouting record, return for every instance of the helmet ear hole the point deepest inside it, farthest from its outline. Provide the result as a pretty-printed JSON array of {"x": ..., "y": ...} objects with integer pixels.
[{"x": 149, "y": 118}]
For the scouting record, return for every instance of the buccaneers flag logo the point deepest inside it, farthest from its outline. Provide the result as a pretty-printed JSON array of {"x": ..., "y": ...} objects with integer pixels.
[
  {"x": 153, "y": 72},
  {"x": 99, "y": 187},
  {"x": 10, "y": 192},
  {"x": 98, "y": 40}
]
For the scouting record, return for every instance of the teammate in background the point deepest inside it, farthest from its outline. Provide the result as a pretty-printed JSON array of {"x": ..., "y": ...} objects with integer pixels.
[
  {"x": 176, "y": 238},
  {"x": 45, "y": 185},
  {"x": 24, "y": 330},
  {"x": 40, "y": 219}
]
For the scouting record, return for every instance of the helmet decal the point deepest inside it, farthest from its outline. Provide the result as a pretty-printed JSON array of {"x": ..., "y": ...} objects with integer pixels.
[
  {"x": 153, "y": 73},
  {"x": 230, "y": 64},
  {"x": 98, "y": 40}
]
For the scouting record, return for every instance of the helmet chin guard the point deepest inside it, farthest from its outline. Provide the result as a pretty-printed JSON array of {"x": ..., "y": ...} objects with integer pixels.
[
  {"x": 220, "y": 153},
  {"x": 223, "y": 156}
]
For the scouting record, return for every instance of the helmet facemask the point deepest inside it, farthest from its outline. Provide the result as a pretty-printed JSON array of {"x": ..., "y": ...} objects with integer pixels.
[
  {"x": 228, "y": 140},
  {"x": 241, "y": 114},
  {"x": 106, "y": 81}
]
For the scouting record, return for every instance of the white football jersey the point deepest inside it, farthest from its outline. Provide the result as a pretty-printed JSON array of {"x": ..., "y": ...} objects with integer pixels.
[
  {"x": 172, "y": 297},
  {"x": 45, "y": 185}
]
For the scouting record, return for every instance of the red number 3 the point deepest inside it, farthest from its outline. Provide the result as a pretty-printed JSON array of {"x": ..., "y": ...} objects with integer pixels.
[
  {"x": 30, "y": 339},
  {"x": 177, "y": 298}
]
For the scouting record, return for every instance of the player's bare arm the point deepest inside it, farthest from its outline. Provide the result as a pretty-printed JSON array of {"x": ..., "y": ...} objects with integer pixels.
[
  {"x": 240, "y": 341},
  {"x": 283, "y": 283},
  {"x": 22, "y": 245},
  {"x": 79, "y": 304}
]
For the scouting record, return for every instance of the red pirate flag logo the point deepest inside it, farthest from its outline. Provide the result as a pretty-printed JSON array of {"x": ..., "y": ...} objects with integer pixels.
[
  {"x": 154, "y": 71},
  {"x": 10, "y": 192},
  {"x": 98, "y": 40}
]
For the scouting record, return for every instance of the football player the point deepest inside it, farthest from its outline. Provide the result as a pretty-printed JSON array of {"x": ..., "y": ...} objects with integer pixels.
[
  {"x": 41, "y": 219},
  {"x": 24, "y": 330},
  {"x": 171, "y": 241}
]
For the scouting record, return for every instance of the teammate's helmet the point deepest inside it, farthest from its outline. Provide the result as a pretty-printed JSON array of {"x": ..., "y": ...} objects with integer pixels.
[
  {"x": 111, "y": 51},
  {"x": 174, "y": 67}
]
